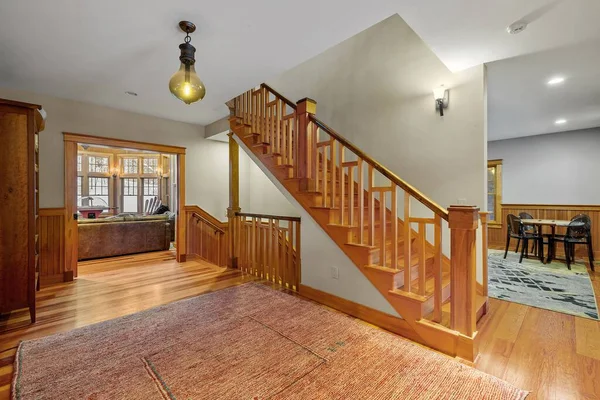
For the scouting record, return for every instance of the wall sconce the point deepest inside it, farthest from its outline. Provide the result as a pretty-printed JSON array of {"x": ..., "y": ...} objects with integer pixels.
[
  {"x": 115, "y": 172},
  {"x": 441, "y": 96},
  {"x": 159, "y": 172}
]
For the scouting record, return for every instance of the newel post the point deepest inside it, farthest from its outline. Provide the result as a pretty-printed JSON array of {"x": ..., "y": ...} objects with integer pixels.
[
  {"x": 463, "y": 222},
  {"x": 234, "y": 203},
  {"x": 306, "y": 141}
]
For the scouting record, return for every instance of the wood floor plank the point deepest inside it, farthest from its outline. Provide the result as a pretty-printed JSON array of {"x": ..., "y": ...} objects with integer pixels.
[{"x": 554, "y": 355}]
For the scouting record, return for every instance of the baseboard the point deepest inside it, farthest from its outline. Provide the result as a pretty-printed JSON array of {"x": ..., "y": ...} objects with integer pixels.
[
  {"x": 51, "y": 279},
  {"x": 378, "y": 318}
]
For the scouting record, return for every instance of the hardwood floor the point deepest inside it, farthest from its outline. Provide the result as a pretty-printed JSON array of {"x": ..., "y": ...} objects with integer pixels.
[
  {"x": 109, "y": 289},
  {"x": 556, "y": 356}
]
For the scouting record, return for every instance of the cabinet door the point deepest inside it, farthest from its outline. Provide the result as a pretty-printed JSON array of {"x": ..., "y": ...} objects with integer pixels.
[{"x": 14, "y": 213}]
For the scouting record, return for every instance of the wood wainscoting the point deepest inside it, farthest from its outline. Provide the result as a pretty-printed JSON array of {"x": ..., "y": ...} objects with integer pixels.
[
  {"x": 206, "y": 236},
  {"x": 52, "y": 246},
  {"x": 497, "y": 234}
]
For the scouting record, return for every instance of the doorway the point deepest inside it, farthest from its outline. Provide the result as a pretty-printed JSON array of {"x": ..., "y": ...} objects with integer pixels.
[{"x": 137, "y": 163}]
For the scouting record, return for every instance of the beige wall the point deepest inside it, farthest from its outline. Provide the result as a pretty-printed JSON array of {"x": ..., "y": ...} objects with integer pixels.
[
  {"x": 207, "y": 179},
  {"x": 376, "y": 90}
]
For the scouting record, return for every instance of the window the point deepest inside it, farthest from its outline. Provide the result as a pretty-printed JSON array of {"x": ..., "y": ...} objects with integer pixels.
[
  {"x": 150, "y": 186},
  {"x": 150, "y": 165},
  {"x": 98, "y": 188},
  {"x": 98, "y": 164},
  {"x": 130, "y": 194},
  {"x": 494, "y": 192},
  {"x": 79, "y": 186},
  {"x": 79, "y": 162},
  {"x": 130, "y": 165}
]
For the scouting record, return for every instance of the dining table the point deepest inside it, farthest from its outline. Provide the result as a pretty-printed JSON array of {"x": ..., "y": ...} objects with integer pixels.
[{"x": 552, "y": 223}]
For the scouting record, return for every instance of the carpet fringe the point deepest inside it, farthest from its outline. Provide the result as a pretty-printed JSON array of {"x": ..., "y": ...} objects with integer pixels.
[{"x": 16, "y": 372}]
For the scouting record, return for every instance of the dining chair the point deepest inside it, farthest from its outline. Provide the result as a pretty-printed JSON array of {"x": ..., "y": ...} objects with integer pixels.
[
  {"x": 579, "y": 231},
  {"x": 515, "y": 230},
  {"x": 528, "y": 228}
]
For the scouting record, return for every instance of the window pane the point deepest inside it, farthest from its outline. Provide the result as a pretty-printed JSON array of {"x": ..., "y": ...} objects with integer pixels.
[
  {"x": 79, "y": 161},
  {"x": 130, "y": 186},
  {"x": 150, "y": 165},
  {"x": 79, "y": 185},
  {"x": 98, "y": 164},
  {"x": 130, "y": 165},
  {"x": 491, "y": 180},
  {"x": 150, "y": 186},
  {"x": 98, "y": 186}
]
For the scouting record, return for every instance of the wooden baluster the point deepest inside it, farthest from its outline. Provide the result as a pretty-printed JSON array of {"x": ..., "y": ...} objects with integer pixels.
[
  {"x": 394, "y": 206},
  {"x": 382, "y": 212},
  {"x": 422, "y": 265},
  {"x": 266, "y": 251},
  {"x": 253, "y": 112},
  {"x": 463, "y": 222},
  {"x": 407, "y": 244},
  {"x": 246, "y": 108},
  {"x": 437, "y": 269},
  {"x": 254, "y": 247},
  {"x": 324, "y": 175},
  {"x": 484, "y": 251},
  {"x": 361, "y": 201},
  {"x": 332, "y": 170},
  {"x": 298, "y": 271},
  {"x": 371, "y": 217},
  {"x": 265, "y": 95},
  {"x": 275, "y": 267},
  {"x": 269, "y": 249},
  {"x": 290, "y": 141},
  {"x": 278, "y": 128},
  {"x": 341, "y": 182},
  {"x": 290, "y": 256}
]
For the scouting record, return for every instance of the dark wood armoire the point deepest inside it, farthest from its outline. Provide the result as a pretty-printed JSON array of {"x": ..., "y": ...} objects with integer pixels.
[{"x": 20, "y": 124}]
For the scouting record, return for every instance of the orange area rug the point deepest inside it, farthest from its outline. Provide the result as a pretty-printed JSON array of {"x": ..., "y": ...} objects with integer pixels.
[{"x": 245, "y": 342}]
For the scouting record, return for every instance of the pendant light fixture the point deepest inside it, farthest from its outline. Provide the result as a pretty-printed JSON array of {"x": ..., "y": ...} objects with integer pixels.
[{"x": 185, "y": 83}]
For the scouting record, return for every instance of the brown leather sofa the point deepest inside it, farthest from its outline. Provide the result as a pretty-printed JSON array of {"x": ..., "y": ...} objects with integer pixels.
[{"x": 115, "y": 236}]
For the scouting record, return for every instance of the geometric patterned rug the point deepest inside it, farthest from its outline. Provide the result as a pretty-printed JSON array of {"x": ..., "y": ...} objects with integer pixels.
[
  {"x": 245, "y": 342},
  {"x": 549, "y": 286}
]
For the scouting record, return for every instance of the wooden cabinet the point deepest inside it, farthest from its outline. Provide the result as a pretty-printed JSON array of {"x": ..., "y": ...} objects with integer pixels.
[{"x": 20, "y": 124}]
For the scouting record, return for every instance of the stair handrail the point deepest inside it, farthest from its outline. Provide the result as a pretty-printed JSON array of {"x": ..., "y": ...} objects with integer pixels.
[
  {"x": 414, "y": 192},
  {"x": 205, "y": 220},
  {"x": 268, "y": 216},
  {"x": 278, "y": 95},
  {"x": 433, "y": 206}
]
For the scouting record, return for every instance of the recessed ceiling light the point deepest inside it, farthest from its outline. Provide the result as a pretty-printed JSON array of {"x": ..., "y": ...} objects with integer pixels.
[
  {"x": 560, "y": 121},
  {"x": 131, "y": 93},
  {"x": 556, "y": 80}
]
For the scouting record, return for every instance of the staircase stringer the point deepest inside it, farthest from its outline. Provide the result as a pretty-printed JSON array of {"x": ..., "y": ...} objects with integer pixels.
[{"x": 411, "y": 310}]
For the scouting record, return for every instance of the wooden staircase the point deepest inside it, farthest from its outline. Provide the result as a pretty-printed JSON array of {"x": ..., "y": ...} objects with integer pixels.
[{"x": 356, "y": 201}]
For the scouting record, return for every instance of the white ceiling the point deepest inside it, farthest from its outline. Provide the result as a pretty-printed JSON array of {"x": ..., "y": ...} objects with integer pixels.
[
  {"x": 95, "y": 51},
  {"x": 521, "y": 103}
]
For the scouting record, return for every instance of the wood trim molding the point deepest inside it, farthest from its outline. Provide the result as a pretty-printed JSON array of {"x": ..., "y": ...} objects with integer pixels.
[
  {"x": 497, "y": 234},
  {"x": 48, "y": 212},
  {"x": 132, "y": 144},
  {"x": 386, "y": 321},
  {"x": 193, "y": 208},
  {"x": 70, "y": 158},
  {"x": 578, "y": 207}
]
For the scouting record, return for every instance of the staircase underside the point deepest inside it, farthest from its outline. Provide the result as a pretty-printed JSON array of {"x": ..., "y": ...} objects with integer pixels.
[{"x": 415, "y": 306}]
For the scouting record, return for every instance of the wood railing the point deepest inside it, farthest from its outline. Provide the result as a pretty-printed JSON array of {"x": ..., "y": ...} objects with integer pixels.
[
  {"x": 368, "y": 197},
  {"x": 269, "y": 248},
  {"x": 206, "y": 236}
]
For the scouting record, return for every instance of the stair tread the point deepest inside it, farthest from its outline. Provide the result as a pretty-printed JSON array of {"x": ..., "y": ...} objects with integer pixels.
[
  {"x": 429, "y": 288},
  {"x": 479, "y": 303}
]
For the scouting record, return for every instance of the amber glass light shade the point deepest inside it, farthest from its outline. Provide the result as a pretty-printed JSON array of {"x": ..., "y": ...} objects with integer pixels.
[{"x": 186, "y": 85}]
